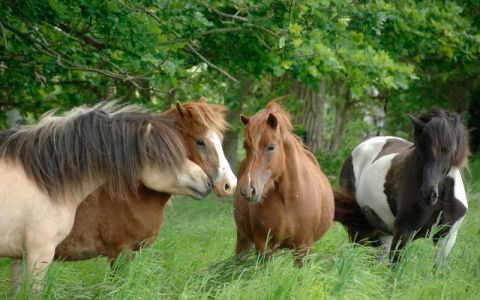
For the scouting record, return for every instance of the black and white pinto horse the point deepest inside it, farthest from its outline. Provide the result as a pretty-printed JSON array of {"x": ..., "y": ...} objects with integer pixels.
[
  {"x": 393, "y": 190},
  {"x": 48, "y": 169}
]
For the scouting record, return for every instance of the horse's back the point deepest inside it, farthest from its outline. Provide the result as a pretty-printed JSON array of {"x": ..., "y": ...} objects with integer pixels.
[{"x": 364, "y": 174}]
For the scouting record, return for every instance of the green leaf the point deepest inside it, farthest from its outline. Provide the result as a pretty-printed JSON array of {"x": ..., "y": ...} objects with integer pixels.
[{"x": 281, "y": 42}]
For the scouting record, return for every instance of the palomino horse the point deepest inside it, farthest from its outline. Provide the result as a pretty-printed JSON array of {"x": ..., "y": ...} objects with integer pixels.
[
  {"x": 283, "y": 199},
  {"x": 393, "y": 191},
  {"x": 47, "y": 170},
  {"x": 105, "y": 226}
]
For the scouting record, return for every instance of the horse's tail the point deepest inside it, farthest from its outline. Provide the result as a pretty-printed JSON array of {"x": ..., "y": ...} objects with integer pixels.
[
  {"x": 350, "y": 214},
  {"x": 347, "y": 210}
]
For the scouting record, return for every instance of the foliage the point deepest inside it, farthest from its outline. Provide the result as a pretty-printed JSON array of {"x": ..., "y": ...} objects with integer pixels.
[{"x": 407, "y": 54}]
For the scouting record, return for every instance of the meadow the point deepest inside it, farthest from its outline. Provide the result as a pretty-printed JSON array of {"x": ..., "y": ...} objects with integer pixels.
[{"x": 193, "y": 259}]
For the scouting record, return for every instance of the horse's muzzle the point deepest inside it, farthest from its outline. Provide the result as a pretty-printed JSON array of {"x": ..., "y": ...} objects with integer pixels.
[
  {"x": 251, "y": 194},
  {"x": 429, "y": 198}
]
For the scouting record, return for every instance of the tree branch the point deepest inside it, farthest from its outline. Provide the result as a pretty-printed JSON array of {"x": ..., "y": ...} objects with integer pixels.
[
  {"x": 189, "y": 45},
  {"x": 4, "y": 34},
  {"x": 225, "y": 73},
  {"x": 63, "y": 62},
  {"x": 225, "y": 15},
  {"x": 84, "y": 37}
]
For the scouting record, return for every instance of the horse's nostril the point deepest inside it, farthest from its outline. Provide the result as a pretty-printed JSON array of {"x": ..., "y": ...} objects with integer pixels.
[
  {"x": 242, "y": 192},
  {"x": 226, "y": 188},
  {"x": 423, "y": 194},
  {"x": 253, "y": 191},
  {"x": 209, "y": 184}
]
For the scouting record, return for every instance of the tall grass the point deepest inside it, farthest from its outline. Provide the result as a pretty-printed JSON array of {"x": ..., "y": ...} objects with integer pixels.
[{"x": 193, "y": 259}]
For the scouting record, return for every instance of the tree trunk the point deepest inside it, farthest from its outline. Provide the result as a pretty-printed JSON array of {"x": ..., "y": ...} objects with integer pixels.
[
  {"x": 169, "y": 99},
  {"x": 313, "y": 115},
  {"x": 14, "y": 118},
  {"x": 340, "y": 117},
  {"x": 230, "y": 142}
]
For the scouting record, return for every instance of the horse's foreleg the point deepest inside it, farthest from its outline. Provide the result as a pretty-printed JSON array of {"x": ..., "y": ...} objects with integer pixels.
[
  {"x": 38, "y": 260},
  {"x": 264, "y": 246},
  {"x": 399, "y": 241},
  {"x": 17, "y": 274},
  {"x": 445, "y": 244},
  {"x": 243, "y": 244},
  {"x": 384, "y": 247},
  {"x": 300, "y": 252}
]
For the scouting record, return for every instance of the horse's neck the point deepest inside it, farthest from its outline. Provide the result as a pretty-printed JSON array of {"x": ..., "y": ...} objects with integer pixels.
[
  {"x": 408, "y": 166},
  {"x": 87, "y": 187},
  {"x": 296, "y": 162}
]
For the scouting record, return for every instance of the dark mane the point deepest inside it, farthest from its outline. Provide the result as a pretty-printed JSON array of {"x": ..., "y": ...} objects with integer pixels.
[
  {"x": 441, "y": 129},
  {"x": 108, "y": 140}
]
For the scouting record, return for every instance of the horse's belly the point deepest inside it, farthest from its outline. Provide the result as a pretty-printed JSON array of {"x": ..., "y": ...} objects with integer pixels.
[{"x": 370, "y": 194}]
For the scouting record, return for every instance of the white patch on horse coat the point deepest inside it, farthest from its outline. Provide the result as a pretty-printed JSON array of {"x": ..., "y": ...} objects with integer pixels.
[
  {"x": 445, "y": 244},
  {"x": 224, "y": 169},
  {"x": 386, "y": 240},
  {"x": 370, "y": 177},
  {"x": 458, "y": 189}
]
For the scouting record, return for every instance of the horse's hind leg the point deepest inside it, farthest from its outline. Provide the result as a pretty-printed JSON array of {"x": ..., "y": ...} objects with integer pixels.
[{"x": 445, "y": 244}]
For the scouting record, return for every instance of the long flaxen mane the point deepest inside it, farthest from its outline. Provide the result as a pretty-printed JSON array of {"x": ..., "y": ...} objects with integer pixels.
[
  {"x": 108, "y": 140},
  {"x": 444, "y": 130}
]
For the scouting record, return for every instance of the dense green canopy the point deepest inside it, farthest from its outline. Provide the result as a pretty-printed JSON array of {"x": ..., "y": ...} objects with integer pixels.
[{"x": 354, "y": 67}]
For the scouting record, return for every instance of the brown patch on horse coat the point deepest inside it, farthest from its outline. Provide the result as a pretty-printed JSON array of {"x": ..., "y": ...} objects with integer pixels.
[
  {"x": 393, "y": 146},
  {"x": 296, "y": 207},
  {"x": 105, "y": 226}
]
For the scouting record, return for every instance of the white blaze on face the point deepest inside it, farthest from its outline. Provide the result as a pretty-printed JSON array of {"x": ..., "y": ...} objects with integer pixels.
[{"x": 225, "y": 174}]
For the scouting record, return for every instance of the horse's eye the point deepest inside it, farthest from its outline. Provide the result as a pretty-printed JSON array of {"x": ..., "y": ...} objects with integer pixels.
[
  {"x": 270, "y": 147},
  {"x": 200, "y": 142}
]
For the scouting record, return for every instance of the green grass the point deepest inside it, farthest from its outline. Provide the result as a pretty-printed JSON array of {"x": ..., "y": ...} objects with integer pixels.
[{"x": 193, "y": 259}]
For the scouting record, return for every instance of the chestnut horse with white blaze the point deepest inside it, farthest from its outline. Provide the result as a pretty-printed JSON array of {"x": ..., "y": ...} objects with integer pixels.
[
  {"x": 48, "y": 169},
  {"x": 393, "y": 191},
  {"x": 105, "y": 226},
  {"x": 283, "y": 199}
]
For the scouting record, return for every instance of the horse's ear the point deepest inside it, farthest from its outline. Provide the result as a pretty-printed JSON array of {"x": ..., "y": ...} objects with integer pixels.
[
  {"x": 272, "y": 121},
  {"x": 202, "y": 100},
  {"x": 181, "y": 110},
  {"x": 244, "y": 119},
  {"x": 149, "y": 129},
  {"x": 417, "y": 123}
]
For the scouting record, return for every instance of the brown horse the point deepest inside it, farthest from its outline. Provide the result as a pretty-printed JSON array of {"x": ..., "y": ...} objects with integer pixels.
[
  {"x": 105, "y": 226},
  {"x": 283, "y": 199}
]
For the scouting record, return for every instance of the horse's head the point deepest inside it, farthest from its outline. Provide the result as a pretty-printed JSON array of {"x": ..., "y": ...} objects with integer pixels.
[
  {"x": 189, "y": 179},
  {"x": 265, "y": 156},
  {"x": 441, "y": 141},
  {"x": 201, "y": 126}
]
